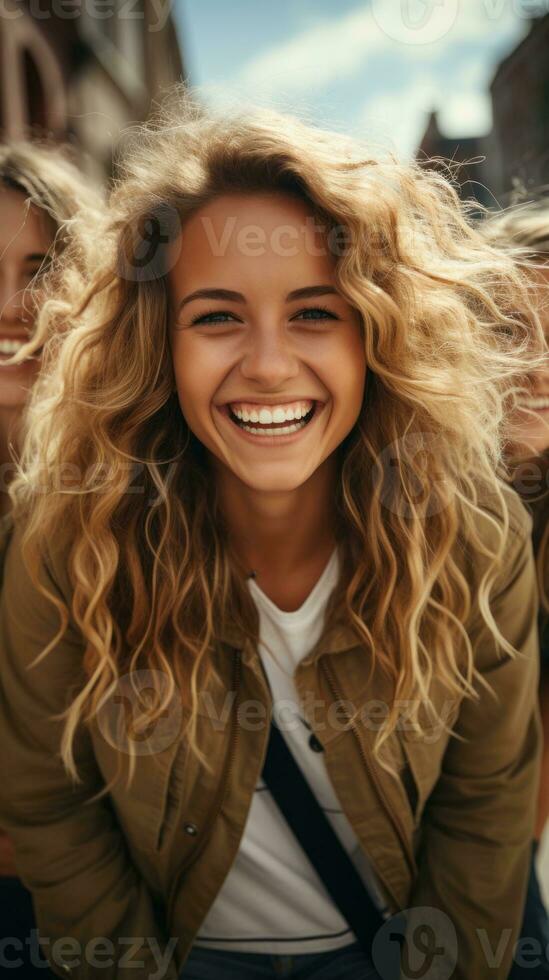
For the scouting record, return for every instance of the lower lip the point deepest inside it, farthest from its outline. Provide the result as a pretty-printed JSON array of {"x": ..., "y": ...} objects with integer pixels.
[
  {"x": 538, "y": 411},
  {"x": 272, "y": 441},
  {"x": 23, "y": 366}
]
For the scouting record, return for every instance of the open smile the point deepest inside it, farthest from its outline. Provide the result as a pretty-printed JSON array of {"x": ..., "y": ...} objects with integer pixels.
[
  {"x": 273, "y": 434},
  {"x": 10, "y": 344}
]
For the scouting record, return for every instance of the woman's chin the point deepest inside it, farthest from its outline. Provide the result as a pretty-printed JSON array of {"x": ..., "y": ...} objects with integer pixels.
[{"x": 13, "y": 396}]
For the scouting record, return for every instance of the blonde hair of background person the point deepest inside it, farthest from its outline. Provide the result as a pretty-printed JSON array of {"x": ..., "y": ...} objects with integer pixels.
[
  {"x": 40, "y": 192},
  {"x": 447, "y": 325},
  {"x": 523, "y": 231}
]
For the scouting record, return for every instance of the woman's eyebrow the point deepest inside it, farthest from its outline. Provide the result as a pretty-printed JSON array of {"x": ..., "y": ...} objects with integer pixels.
[{"x": 306, "y": 292}]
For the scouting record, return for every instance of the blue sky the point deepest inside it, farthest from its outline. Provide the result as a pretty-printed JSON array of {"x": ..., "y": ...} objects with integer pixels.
[{"x": 373, "y": 68}]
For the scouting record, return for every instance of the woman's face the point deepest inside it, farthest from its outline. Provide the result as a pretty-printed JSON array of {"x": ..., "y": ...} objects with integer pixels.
[
  {"x": 25, "y": 237},
  {"x": 535, "y": 428},
  {"x": 256, "y": 355}
]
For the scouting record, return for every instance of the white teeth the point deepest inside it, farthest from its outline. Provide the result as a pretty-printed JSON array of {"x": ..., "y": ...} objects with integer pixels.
[
  {"x": 284, "y": 431},
  {"x": 10, "y": 346},
  {"x": 534, "y": 403},
  {"x": 278, "y": 413},
  {"x": 264, "y": 429}
]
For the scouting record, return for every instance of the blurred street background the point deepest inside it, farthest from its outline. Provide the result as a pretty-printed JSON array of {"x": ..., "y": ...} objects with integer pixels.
[{"x": 466, "y": 80}]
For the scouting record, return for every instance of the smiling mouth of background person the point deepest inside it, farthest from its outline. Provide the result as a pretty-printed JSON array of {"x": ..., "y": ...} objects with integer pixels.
[
  {"x": 538, "y": 403},
  {"x": 10, "y": 345}
]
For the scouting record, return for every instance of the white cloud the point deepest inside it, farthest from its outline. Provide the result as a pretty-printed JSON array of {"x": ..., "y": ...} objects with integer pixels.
[
  {"x": 329, "y": 50},
  {"x": 337, "y": 48},
  {"x": 465, "y": 107},
  {"x": 398, "y": 118},
  {"x": 466, "y": 114}
]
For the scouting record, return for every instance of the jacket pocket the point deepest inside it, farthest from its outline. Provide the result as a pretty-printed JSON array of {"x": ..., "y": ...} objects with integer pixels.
[
  {"x": 142, "y": 805},
  {"x": 173, "y": 792}
]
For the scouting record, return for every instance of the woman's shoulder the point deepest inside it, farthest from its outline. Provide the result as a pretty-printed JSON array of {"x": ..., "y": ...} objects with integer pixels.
[
  {"x": 492, "y": 502},
  {"x": 520, "y": 518},
  {"x": 54, "y": 554},
  {"x": 484, "y": 536}
]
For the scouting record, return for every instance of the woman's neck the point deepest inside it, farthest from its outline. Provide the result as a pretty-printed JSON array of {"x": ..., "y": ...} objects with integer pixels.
[{"x": 276, "y": 534}]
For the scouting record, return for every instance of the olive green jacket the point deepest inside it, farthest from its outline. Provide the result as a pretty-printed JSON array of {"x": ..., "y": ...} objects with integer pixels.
[{"x": 130, "y": 877}]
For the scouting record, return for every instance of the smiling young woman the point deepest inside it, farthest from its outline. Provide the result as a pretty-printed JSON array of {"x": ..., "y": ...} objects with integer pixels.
[
  {"x": 40, "y": 191},
  {"x": 264, "y": 471}
]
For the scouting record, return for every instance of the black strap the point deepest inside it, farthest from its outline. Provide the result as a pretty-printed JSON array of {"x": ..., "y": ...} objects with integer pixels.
[{"x": 321, "y": 844}]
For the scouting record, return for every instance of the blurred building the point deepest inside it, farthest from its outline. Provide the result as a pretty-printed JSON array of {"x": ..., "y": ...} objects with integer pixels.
[
  {"x": 520, "y": 107},
  {"x": 472, "y": 153},
  {"x": 515, "y": 155},
  {"x": 80, "y": 70}
]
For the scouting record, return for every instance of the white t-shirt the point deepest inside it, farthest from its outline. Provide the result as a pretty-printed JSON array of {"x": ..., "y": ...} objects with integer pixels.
[{"x": 272, "y": 900}]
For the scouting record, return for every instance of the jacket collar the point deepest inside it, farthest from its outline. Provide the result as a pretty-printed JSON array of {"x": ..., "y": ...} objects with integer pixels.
[{"x": 338, "y": 638}]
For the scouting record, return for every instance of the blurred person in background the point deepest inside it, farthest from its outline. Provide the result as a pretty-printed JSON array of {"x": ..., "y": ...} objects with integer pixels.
[
  {"x": 40, "y": 192},
  {"x": 524, "y": 230}
]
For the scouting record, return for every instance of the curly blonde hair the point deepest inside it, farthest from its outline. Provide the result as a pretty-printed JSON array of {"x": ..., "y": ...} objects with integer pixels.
[
  {"x": 523, "y": 231},
  {"x": 47, "y": 175},
  {"x": 448, "y": 328}
]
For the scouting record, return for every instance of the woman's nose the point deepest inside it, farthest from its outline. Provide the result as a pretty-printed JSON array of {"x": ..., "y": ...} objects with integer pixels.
[{"x": 270, "y": 357}]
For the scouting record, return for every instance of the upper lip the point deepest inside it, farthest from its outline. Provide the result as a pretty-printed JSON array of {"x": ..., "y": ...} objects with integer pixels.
[
  {"x": 14, "y": 336},
  {"x": 286, "y": 400}
]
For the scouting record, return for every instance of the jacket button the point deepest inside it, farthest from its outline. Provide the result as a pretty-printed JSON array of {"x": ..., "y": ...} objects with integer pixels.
[
  {"x": 314, "y": 744},
  {"x": 191, "y": 828}
]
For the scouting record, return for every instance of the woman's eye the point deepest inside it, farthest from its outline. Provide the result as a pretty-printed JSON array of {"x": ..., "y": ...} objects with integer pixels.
[
  {"x": 31, "y": 275},
  {"x": 315, "y": 310},
  {"x": 205, "y": 317}
]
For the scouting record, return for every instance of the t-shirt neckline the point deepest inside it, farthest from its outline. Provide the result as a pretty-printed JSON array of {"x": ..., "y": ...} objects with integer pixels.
[{"x": 310, "y": 603}]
